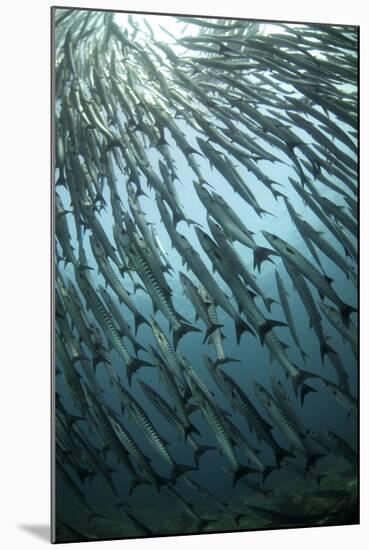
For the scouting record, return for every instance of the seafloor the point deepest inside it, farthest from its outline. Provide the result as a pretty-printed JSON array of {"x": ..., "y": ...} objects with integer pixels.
[{"x": 301, "y": 502}]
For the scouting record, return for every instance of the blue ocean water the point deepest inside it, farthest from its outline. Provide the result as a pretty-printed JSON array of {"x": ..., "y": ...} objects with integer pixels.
[{"x": 320, "y": 412}]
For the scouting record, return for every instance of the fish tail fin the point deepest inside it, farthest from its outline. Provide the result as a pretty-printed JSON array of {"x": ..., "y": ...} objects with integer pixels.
[
  {"x": 241, "y": 327},
  {"x": 138, "y": 347},
  {"x": 261, "y": 211},
  {"x": 85, "y": 267},
  {"x": 203, "y": 181},
  {"x": 119, "y": 507},
  {"x": 267, "y": 326},
  {"x": 201, "y": 449},
  {"x": 140, "y": 192},
  {"x": 181, "y": 469},
  {"x": 280, "y": 454},
  {"x": 276, "y": 193},
  {"x": 191, "y": 151},
  {"x": 241, "y": 472},
  {"x": 136, "y": 481},
  {"x": 238, "y": 517},
  {"x": 84, "y": 476},
  {"x": 311, "y": 461},
  {"x": 346, "y": 311},
  {"x": 160, "y": 481},
  {"x": 204, "y": 523},
  {"x": 305, "y": 389},
  {"x": 190, "y": 429},
  {"x": 351, "y": 276},
  {"x": 109, "y": 480},
  {"x": 261, "y": 255},
  {"x": 225, "y": 360},
  {"x": 191, "y": 222},
  {"x": 210, "y": 330},
  {"x": 181, "y": 331},
  {"x": 177, "y": 217},
  {"x": 190, "y": 408},
  {"x": 291, "y": 144},
  {"x": 138, "y": 286},
  {"x": 225, "y": 49},
  {"x": 79, "y": 357},
  {"x": 268, "y": 303},
  {"x": 61, "y": 181},
  {"x": 319, "y": 478},
  {"x": 94, "y": 515},
  {"x": 267, "y": 470},
  {"x": 324, "y": 349},
  {"x": 123, "y": 270},
  {"x": 134, "y": 365},
  {"x": 72, "y": 419},
  {"x": 139, "y": 320},
  {"x": 299, "y": 381}
]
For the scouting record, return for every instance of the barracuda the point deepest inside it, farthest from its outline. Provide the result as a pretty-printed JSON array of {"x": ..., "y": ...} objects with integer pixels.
[
  {"x": 160, "y": 300},
  {"x": 113, "y": 281},
  {"x": 216, "y": 423},
  {"x": 201, "y": 310},
  {"x": 348, "y": 330},
  {"x": 158, "y": 443},
  {"x": 237, "y": 261},
  {"x": 104, "y": 319},
  {"x": 194, "y": 261},
  {"x": 185, "y": 428},
  {"x": 120, "y": 320},
  {"x": 283, "y": 295},
  {"x": 306, "y": 268},
  {"x": 343, "y": 398},
  {"x": 236, "y": 230},
  {"x": 174, "y": 386},
  {"x": 287, "y": 426}
]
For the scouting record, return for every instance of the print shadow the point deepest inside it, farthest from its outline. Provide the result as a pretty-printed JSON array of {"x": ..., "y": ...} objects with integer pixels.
[{"x": 42, "y": 532}]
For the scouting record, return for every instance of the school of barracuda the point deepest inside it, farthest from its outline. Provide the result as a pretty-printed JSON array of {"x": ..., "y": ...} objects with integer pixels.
[{"x": 226, "y": 94}]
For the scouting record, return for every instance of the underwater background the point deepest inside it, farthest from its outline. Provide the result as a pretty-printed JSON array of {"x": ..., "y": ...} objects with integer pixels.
[{"x": 265, "y": 121}]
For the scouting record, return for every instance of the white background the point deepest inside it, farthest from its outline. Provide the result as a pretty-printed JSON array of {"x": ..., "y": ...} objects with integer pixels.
[{"x": 25, "y": 274}]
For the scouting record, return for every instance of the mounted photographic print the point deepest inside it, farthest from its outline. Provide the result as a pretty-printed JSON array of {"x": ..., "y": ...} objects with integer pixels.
[{"x": 205, "y": 216}]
